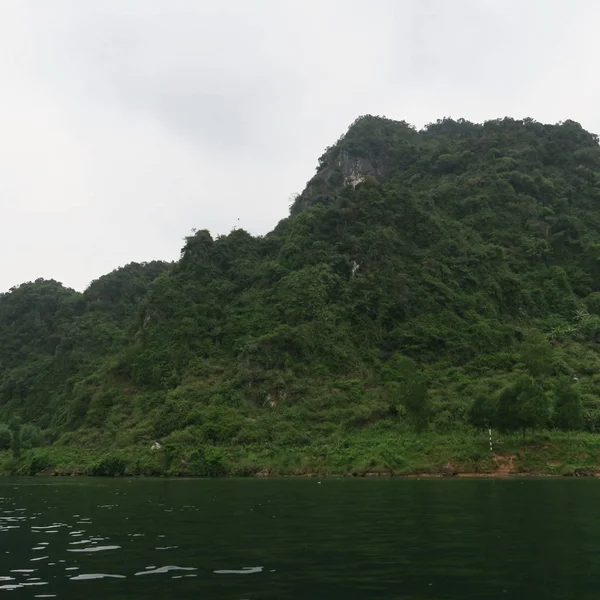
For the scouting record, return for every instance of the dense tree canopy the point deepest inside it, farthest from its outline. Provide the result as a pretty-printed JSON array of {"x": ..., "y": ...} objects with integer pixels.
[{"x": 418, "y": 272}]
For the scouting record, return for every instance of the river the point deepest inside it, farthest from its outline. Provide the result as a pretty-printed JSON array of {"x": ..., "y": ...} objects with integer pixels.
[{"x": 307, "y": 539}]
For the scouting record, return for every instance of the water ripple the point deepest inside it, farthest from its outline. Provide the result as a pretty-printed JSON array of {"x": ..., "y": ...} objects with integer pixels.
[
  {"x": 87, "y": 576},
  {"x": 94, "y": 549},
  {"x": 242, "y": 571},
  {"x": 166, "y": 570}
]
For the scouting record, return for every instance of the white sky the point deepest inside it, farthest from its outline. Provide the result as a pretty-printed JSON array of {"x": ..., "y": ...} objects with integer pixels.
[{"x": 125, "y": 123}]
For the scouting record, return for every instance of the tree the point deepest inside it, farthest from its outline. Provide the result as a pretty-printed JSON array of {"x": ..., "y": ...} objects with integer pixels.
[
  {"x": 416, "y": 401},
  {"x": 534, "y": 407},
  {"x": 523, "y": 405},
  {"x": 483, "y": 412},
  {"x": 537, "y": 354},
  {"x": 31, "y": 436},
  {"x": 568, "y": 412},
  {"x": 15, "y": 440},
  {"x": 5, "y": 437},
  {"x": 508, "y": 408},
  {"x": 411, "y": 389}
]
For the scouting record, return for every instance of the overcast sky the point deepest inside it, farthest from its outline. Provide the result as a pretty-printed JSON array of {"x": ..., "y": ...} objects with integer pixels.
[{"x": 125, "y": 123}]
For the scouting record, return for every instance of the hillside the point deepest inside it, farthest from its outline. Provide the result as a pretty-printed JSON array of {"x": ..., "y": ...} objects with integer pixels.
[{"x": 426, "y": 284}]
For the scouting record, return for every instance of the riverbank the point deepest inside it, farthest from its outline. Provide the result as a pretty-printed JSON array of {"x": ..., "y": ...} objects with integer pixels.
[
  {"x": 574, "y": 472},
  {"x": 362, "y": 454}
]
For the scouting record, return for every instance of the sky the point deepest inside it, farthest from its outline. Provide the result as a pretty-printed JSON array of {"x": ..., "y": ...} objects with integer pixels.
[{"x": 126, "y": 123}]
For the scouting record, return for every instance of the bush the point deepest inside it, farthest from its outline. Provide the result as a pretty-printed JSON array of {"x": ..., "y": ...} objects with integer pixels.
[
  {"x": 5, "y": 437},
  {"x": 109, "y": 466},
  {"x": 208, "y": 462},
  {"x": 592, "y": 303},
  {"x": 147, "y": 466},
  {"x": 522, "y": 405},
  {"x": 40, "y": 461},
  {"x": 568, "y": 412},
  {"x": 31, "y": 436},
  {"x": 15, "y": 440},
  {"x": 483, "y": 412}
]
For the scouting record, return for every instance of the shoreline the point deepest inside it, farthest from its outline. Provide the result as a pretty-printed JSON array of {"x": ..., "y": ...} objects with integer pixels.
[
  {"x": 575, "y": 473},
  {"x": 430, "y": 455}
]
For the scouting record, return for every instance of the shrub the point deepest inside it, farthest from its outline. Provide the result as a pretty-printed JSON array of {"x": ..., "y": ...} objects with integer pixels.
[
  {"x": 109, "y": 466},
  {"x": 568, "y": 412},
  {"x": 15, "y": 440},
  {"x": 482, "y": 412},
  {"x": 5, "y": 437},
  {"x": 592, "y": 303},
  {"x": 146, "y": 466},
  {"x": 31, "y": 436},
  {"x": 40, "y": 461},
  {"x": 208, "y": 462}
]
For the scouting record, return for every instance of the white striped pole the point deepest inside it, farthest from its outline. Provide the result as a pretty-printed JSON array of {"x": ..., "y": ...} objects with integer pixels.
[{"x": 490, "y": 432}]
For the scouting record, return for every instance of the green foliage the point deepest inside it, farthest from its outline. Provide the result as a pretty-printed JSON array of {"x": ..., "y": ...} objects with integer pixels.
[
  {"x": 537, "y": 355},
  {"x": 483, "y": 412},
  {"x": 31, "y": 436},
  {"x": 208, "y": 461},
  {"x": 523, "y": 405},
  {"x": 15, "y": 440},
  {"x": 568, "y": 410},
  {"x": 425, "y": 281},
  {"x": 109, "y": 466},
  {"x": 5, "y": 436},
  {"x": 37, "y": 462},
  {"x": 408, "y": 388},
  {"x": 592, "y": 303}
]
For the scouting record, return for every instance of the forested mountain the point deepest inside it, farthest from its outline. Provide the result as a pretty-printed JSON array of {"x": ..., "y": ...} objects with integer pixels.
[
  {"x": 425, "y": 283},
  {"x": 52, "y": 336}
]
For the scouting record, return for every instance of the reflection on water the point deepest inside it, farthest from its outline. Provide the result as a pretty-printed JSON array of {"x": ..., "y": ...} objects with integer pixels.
[
  {"x": 96, "y": 576},
  {"x": 150, "y": 571},
  {"x": 244, "y": 571},
  {"x": 339, "y": 539}
]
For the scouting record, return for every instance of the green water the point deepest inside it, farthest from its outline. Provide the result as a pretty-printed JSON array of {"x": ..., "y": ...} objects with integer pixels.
[{"x": 300, "y": 539}]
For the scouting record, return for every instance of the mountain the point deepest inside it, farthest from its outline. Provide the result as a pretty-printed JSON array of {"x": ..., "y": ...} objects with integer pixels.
[
  {"x": 52, "y": 336},
  {"x": 426, "y": 283}
]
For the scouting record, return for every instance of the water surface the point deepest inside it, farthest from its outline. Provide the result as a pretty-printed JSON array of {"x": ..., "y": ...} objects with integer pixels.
[{"x": 299, "y": 539}]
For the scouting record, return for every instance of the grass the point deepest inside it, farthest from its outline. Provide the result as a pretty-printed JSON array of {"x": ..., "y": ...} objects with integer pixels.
[{"x": 361, "y": 453}]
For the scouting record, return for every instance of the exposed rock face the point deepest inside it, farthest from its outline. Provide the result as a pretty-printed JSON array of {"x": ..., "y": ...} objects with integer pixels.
[
  {"x": 350, "y": 163},
  {"x": 354, "y": 170},
  {"x": 339, "y": 171}
]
